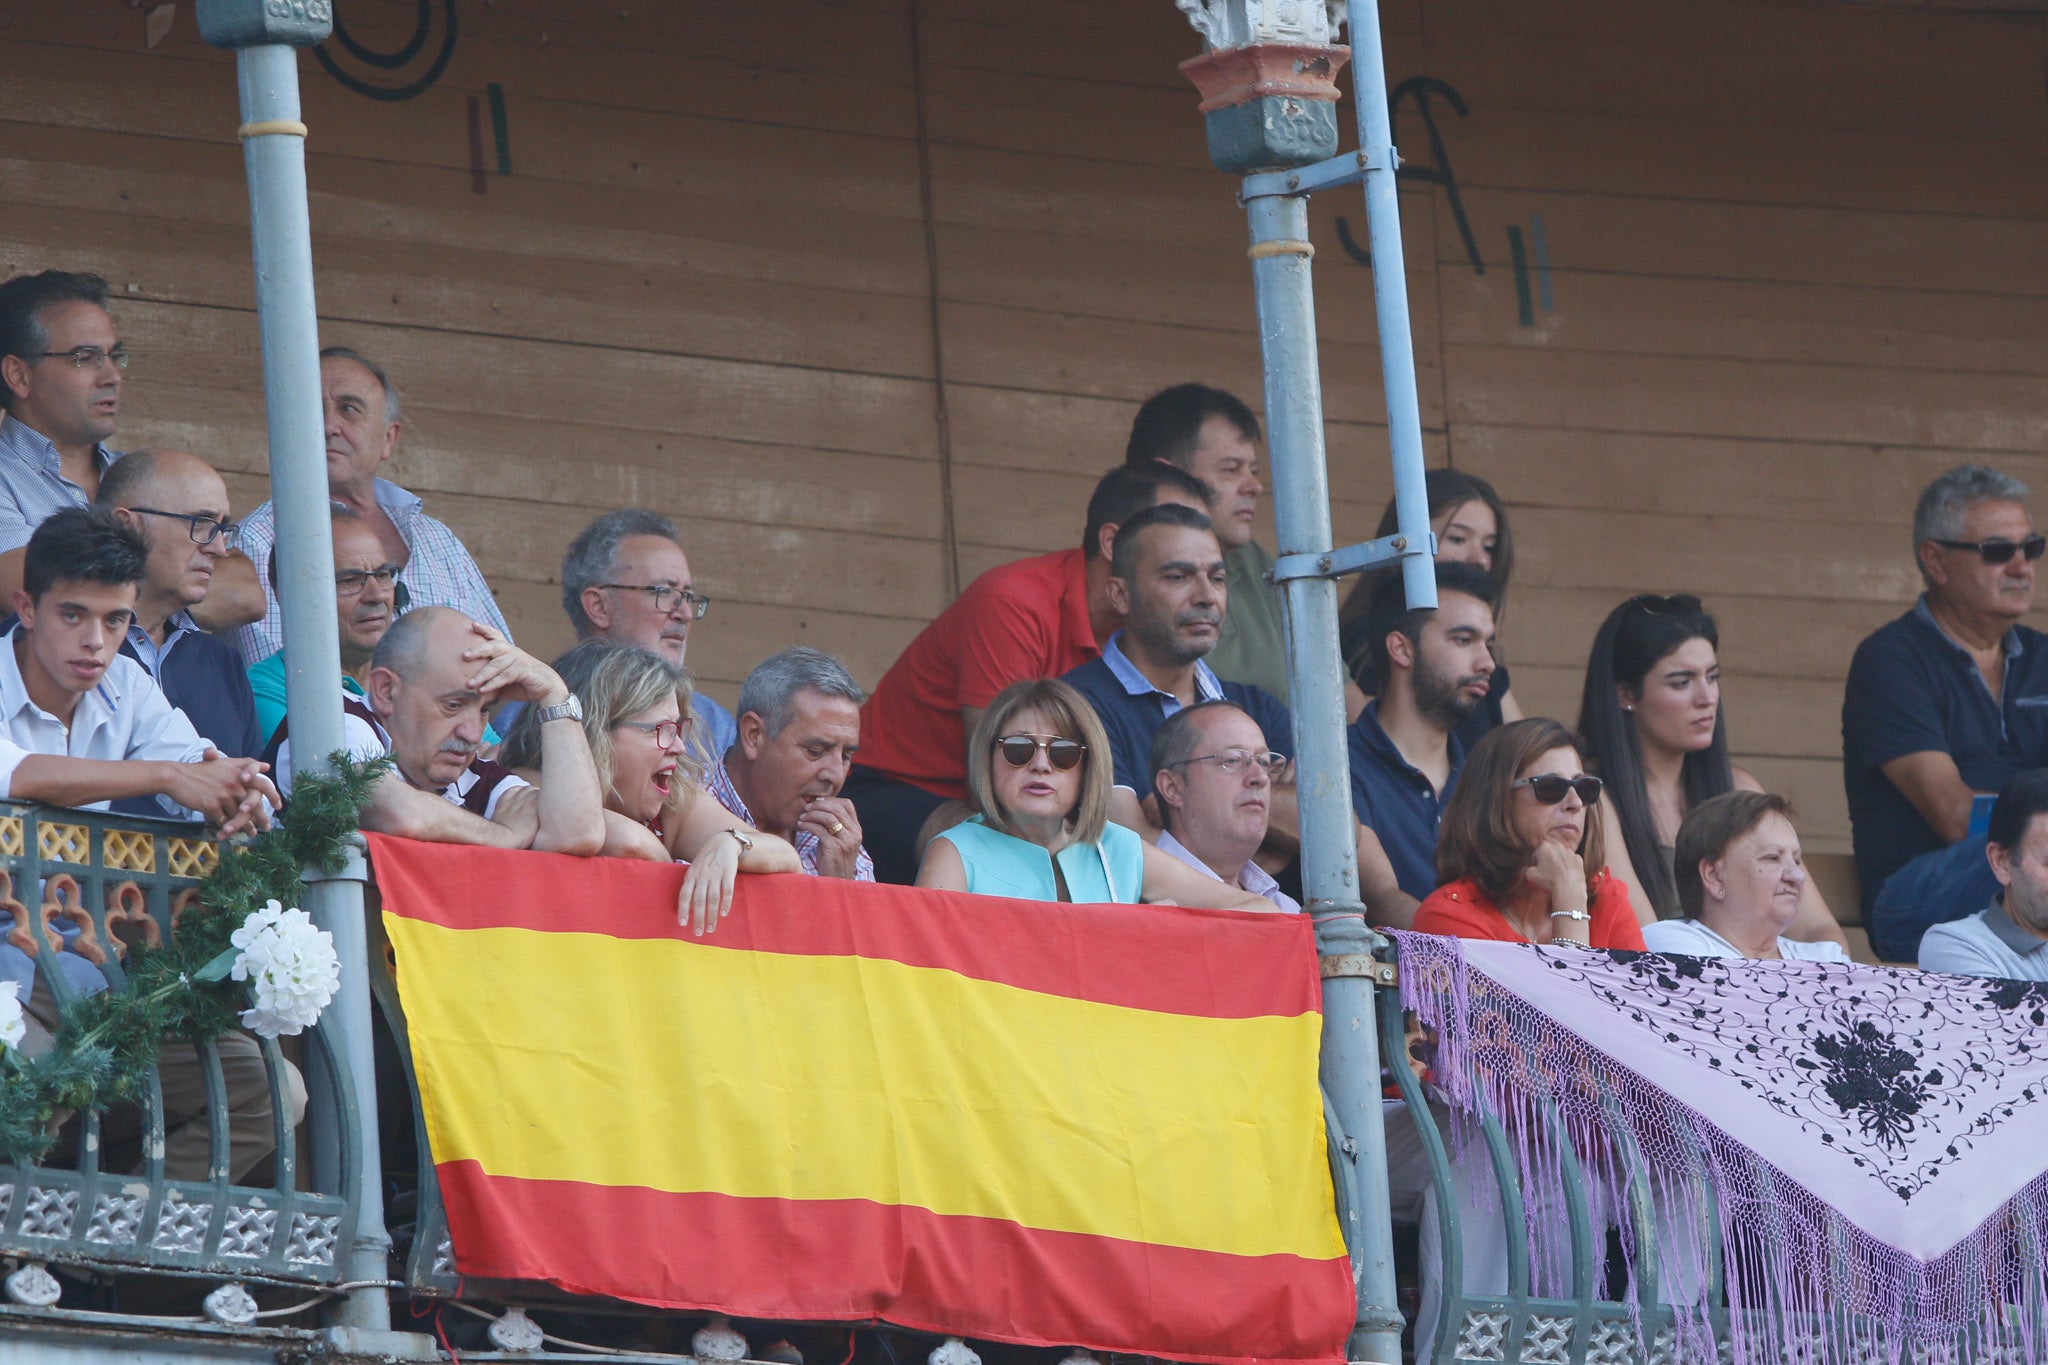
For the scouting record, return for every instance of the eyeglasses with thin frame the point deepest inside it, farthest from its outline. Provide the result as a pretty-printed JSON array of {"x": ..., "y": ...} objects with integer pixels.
[
  {"x": 1061, "y": 752},
  {"x": 665, "y": 597},
  {"x": 90, "y": 357},
  {"x": 203, "y": 530},
  {"x": 665, "y": 732},
  {"x": 1231, "y": 760},
  {"x": 2000, "y": 551},
  {"x": 1550, "y": 788},
  {"x": 351, "y": 582}
]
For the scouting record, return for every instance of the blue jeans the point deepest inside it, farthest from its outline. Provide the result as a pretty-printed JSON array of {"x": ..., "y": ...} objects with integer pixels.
[{"x": 1932, "y": 889}]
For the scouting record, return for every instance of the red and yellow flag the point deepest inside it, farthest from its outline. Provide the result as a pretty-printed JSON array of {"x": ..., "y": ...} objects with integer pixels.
[{"x": 1049, "y": 1124}]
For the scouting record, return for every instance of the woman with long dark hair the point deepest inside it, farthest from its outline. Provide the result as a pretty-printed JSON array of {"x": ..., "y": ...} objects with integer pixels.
[
  {"x": 1654, "y": 729},
  {"x": 1471, "y": 527}
]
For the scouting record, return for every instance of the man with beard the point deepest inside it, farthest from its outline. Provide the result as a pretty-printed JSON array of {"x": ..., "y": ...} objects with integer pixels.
[{"x": 1405, "y": 757}]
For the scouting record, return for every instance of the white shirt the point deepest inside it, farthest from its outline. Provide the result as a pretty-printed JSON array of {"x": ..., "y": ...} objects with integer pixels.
[
  {"x": 1251, "y": 877},
  {"x": 124, "y": 716},
  {"x": 1690, "y": 938}
]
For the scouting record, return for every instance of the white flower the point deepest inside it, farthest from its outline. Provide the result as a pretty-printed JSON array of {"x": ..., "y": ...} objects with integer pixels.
[
  {"x": 13, "y": 1028},
  {"x": 290, "y": 966}
]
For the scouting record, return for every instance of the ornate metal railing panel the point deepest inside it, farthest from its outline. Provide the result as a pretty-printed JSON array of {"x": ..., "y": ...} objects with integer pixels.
[{"x": 85, "y": 886}]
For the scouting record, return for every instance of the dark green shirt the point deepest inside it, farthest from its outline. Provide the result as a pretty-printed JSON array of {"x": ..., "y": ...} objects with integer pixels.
[{"x": 1253, "y": 647}]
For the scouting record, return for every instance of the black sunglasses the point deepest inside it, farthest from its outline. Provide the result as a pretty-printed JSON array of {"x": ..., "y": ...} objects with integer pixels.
[
  {"x": 1999, "y": 551},
  {"x": 1549, "y": 788},
  {"x": 1017, "y": 750}
]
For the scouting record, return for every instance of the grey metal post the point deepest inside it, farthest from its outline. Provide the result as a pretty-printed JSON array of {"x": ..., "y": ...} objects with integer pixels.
[
  {"x": 1390, "y": 300},
  {"x": 1280, "y": 254},
  {"x": 266, "y": 36}
]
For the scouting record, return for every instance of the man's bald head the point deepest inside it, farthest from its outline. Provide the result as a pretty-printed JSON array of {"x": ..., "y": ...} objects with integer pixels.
[
  {"x": 170, "y": 498},
  {"x": 421, "y": 639}
]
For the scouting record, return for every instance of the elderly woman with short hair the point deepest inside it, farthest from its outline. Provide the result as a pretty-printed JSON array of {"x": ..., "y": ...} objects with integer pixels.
[
  {"x": 1038, "y": 777},
  {"x": 634, "y": 709},
  {"x": 1741, "y": 878}
]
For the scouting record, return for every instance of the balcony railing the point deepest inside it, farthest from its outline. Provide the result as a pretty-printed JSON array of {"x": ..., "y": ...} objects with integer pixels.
[{"x": 95, "y": 886}]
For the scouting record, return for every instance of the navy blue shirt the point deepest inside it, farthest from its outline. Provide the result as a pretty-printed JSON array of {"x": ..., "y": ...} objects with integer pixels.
[
  {"x": 1132, "y": 710},
  {"x": 1912, "y": 689},
  {"x": 201, "y": 675},
  {"x": 1397, "y": 802}
]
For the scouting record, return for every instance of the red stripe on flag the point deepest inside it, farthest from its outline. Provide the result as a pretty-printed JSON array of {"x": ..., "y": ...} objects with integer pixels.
[
  {"x": 1222, "y": 964},
  {"x": 855, "y": 1260}
]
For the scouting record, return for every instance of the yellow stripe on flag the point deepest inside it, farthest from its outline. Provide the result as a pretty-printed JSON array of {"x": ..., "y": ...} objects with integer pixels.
[{"x": 570, "y": 1056}]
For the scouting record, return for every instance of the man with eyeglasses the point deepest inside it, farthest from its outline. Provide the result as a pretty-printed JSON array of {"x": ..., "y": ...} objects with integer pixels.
[
  {"x": 365, "y": 604},
  {"x": 1213, "y": 777},
  {"x": 178, "y": 506},
  {"x": 1434, "y": 666},
  {"x": 362, "y": 425},
  {"x": 1944, "y": 704},
  {"x": 625, "y": 578},
  {"x": 60, "y": 386}
]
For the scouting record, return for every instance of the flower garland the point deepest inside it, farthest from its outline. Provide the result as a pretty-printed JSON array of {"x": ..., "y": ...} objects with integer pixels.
[{"x": 237, "y": 931}]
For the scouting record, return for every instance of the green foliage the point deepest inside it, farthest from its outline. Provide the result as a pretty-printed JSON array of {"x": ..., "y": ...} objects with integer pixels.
[{"x": 106, "y": 1043}]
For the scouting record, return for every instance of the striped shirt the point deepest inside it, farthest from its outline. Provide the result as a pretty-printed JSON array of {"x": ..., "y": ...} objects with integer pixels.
[
  {"x": 32, "y": 483},
  {"x": 719, "y": 783},
  {"x": 438, "y": 572}
]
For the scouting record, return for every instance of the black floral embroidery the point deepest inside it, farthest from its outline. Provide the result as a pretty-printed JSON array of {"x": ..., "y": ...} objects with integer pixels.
[{"x": 1898, "y": 1072}]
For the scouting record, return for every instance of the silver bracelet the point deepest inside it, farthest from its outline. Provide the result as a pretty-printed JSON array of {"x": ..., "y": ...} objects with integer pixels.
[{"x": 1571, "y": 914}]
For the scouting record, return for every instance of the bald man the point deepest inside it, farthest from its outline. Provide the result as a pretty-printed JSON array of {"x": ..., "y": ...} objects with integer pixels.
[{"x": 179, "y": 506}]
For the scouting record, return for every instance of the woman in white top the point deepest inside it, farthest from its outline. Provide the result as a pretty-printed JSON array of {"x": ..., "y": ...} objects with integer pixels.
[{"x": 1740, "y": 881}]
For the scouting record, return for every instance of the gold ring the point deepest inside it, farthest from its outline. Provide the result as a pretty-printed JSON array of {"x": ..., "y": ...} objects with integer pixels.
[{"x": 838, "y": 827}]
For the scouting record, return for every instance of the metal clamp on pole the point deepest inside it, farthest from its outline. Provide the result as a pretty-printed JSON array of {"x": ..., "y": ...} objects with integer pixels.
[
  {"x": 355, "y": 866},
  {"x": 1348, "y": 168},
  {"x": 1349, "y": 560},
  {"x": 1361, "y": 965}
]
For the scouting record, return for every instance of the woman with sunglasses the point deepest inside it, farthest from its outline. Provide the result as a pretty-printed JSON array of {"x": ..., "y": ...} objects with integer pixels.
[
  {"x": 1520, "y": 851},
  {"x": 655, "y": 805},
  {"x": 1038, "y": 778},
  {"x": 1655, "y": 732},
  {"x": 1471, "y": 527}
]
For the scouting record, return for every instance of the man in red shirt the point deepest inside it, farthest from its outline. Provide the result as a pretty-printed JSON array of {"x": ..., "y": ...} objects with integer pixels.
[{"x": 1033, "y": 618}]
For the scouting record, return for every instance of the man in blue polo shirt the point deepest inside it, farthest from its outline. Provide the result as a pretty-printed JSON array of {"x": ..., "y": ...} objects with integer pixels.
[
  {"x": 1405, "y": 753},
  {"x": 1948, "y": 701},
  {"x": 178, "y": 505}
]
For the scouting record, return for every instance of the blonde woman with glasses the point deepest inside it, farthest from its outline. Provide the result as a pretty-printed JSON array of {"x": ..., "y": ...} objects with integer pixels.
[
  {"x": 1038, "y": 778},
  {"x": 634, "y": 703}
]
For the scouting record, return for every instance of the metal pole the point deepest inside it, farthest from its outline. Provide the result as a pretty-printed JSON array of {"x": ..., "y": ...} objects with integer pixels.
[
  {"x": 1390, "y": 301},
  {"x": 1280, "y": 254},
  {"x": 274, "y": 154}
]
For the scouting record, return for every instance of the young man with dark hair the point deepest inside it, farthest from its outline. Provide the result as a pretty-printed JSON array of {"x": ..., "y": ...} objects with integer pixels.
[
  {"x": 1034, "y": 618},
  {"x": 1405, "y": 753},
  {"x": 60, "y": 385},
  {"x": 84, "y": 724},
  {"x": 1214, "y": 436}
]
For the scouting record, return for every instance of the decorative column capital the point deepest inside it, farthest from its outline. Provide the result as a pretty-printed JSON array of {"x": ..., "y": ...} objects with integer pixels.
[
  {"x": 265, "y": 23},
  {"x": 1268, "y": 81}
]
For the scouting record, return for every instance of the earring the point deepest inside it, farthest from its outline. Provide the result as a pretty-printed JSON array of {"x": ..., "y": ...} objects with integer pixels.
[{"x": 1628, "y": 708}]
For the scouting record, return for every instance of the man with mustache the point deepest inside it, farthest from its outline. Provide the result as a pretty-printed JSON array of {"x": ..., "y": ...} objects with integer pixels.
[
  {"x": 1213, "y": 776},
  {"x": 430, "y": 679},
  {"x": 60, "y": 387},
  {"x": 178, "y": 506},
  {"x": 1405, "y": 753},
  {"x": 362, "y": 426}
]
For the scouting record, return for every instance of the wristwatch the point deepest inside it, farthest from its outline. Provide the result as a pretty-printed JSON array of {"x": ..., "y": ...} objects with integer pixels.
[
  {"x": 746, "y": 840},
  {"x": 571, "y": 709}
]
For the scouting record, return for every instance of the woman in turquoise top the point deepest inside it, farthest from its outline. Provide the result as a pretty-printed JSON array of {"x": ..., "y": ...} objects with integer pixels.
[{"x": 1038, "y": 775}]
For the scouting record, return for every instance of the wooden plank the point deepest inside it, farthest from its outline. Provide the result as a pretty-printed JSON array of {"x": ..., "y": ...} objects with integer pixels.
[
  {"x": 1814, "y": 786},
  {"x": 1518, "y": 386},
  {"x": 1859, "y": 325},
  {"x": 1713, "y": 476},
  {"x": 1637, "y": 233},
  {"x": 1822, "y": 66},
  {"x": 529, "y": 380}
]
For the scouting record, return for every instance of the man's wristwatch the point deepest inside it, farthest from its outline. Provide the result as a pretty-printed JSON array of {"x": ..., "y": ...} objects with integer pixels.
[
  {"x": 571, "y": 709},
  {"x": 746, "y": 840}
]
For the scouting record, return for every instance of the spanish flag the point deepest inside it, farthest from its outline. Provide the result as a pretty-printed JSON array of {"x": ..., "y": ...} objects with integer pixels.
[{"x": 1087, "y": 1125}]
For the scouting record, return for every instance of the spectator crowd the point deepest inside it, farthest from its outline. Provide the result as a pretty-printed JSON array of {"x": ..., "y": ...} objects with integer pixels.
[{"x": 1107, "y": 722}]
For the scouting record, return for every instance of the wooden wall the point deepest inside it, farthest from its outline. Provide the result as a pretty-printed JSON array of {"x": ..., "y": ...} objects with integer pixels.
[{"x": 807, "y": 274}]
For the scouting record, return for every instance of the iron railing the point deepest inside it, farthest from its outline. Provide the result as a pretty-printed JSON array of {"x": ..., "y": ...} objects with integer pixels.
[{"x": 91, "y": 885}]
